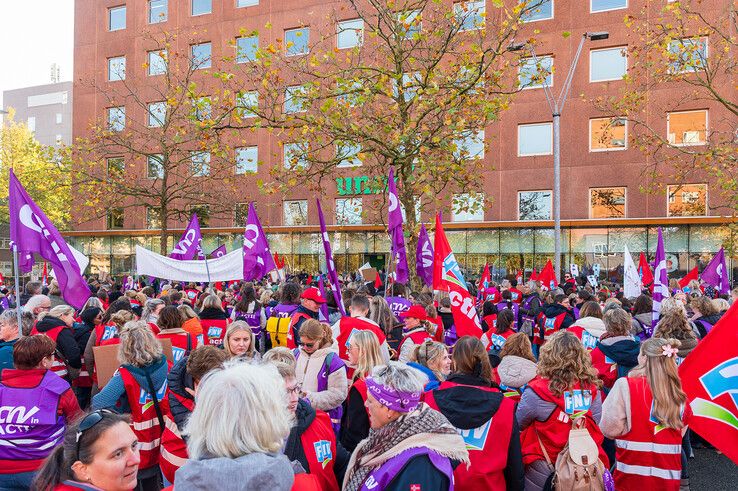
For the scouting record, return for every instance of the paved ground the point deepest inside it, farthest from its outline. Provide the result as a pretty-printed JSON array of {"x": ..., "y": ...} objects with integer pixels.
[{"x": 712, "y": 472}]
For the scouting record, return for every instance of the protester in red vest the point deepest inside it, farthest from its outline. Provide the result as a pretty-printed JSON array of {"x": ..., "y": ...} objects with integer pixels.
[
  {"x": 494, "y": 339},
  {"x": 554, "y": 317},
  {"x": 36, "y": 407},
  {"x": 484, "y": 418},
  {"x": 57, "y": 324},
  {"x": 566, "y": 389},
  {"x": 346, "y": 327},
  {"x": 308, "y": 309},
  {"x": 214, "y": 320},
  {"x": 589, "y": 327},
  {"x": 139, "y": 387},
  {"x": 100, "y": 452},
  {"x": 170, "y": 327},
  {"x": 415, "y": 330},
  {"x": 517, "y": 366},
  {"x": 516, "y": 295},
  {"x": 647, "y": 415},
  {"x": 103, "y": 335},
  {"x": 617, "y": 350}
]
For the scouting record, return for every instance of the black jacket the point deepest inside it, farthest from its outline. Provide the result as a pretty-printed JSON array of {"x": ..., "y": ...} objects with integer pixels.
[
  {"x": 296, "y": 327},
  {"x": 355, "y": 422},
  {"x": 624, "y": 353},
  {"x": 305, "y": 415},
  {"x": 554, "y": 309},
  {"x": 467, "y": 409},
  {"x": 66, "y": 345},
  {"x": 711, "y": 319},
  {"x": 83, "y": 330},
  {"x": 178, "y": 380},
  {"x": 533, "y": 308},
  {"x": 419, "y": 471},
  {"x": 212, "y": 313}
]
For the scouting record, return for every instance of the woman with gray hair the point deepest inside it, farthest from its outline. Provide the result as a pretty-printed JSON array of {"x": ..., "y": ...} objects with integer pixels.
[
  {"x": 57, "y": 324},
  {"x": 138, "y": 387},
  {"x": 409, "y": 444},
  {"x": 230, "y": 453},
  {"x": 150, "y": 313}
]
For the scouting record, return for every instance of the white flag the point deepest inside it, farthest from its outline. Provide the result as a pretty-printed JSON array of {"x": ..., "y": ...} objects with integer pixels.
[{"x": 631, "y": 278}]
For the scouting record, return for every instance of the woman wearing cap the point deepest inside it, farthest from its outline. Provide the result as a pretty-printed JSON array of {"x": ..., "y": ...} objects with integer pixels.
[
  {"x": 411, "y": 446},
  {"x": 308, "y": 309},
  {"x": 415, "y": 331}
]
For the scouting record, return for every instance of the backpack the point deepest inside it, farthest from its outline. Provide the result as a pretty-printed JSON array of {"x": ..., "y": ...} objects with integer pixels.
[
  {"x": 578, "y": 466},
  {"x": 278, "y": 328}
]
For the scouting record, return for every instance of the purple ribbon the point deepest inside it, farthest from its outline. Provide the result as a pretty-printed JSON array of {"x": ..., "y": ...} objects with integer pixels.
[{"x": 402, "y": 402}]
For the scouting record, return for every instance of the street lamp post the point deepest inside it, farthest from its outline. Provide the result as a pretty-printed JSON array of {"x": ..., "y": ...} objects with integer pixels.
[{"x": 557, "y": 106}]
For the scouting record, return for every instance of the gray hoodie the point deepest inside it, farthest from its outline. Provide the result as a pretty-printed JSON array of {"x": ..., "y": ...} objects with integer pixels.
[
  {"x": 515, "y": 371},
  {"x": 252, "y": 472}
]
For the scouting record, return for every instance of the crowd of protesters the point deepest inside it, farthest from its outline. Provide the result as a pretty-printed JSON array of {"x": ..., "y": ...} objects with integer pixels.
[{"x": 259, "y": 386}]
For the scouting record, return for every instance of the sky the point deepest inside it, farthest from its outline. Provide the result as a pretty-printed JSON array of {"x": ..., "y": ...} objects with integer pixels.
[{"x": 33, "y": 35}]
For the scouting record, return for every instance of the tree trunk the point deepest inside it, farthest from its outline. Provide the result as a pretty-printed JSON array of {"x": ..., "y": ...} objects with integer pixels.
[{"x": 163, "y": 230}]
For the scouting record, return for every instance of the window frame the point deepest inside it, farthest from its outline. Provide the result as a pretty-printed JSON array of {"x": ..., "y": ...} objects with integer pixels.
[
  {"x": 550, "y": 71},
  {"x": 542, "y": 123},
  {"x": 163, "y": 18},
  {"x": 304, "y": 148},
  {"x": 550, "y": 206},
  {"x": 116, "y": 108},
  {"x": 472, "y": 135},
  {"x": 246, "y": 59},
  {"x": 707, "y": 197},
  {"x": 254, "y": 4},
  {"x": 470, "y": 195},
  {"x": 611, "y": 48},
  {"x": 348, "y": 160},
  {"x": 209, "y": 60},
  {"x": 625, "y": 205},
  {"x": 149, "y": 114},
  {"x": 360, "y": 201},
  {"x": 109, "y": 217},
  {"x": 237, "y": 152},
  {"x": 110, "y": 17},
  {"x": 461, "y": 15},
  {"x": 192, "y": 9},
  {"x": 707, "y": 127},
  {"x": 204, "y": 169},
  {"x": 292, "y": 98},
  {"x": 359, "y": 33},
  {"x": 111, "y": 62},
  {"x": 245, "y": 113},
  {"x": 157, "y": 157},
  {"x": 162, "y": 55},
  {"x": 681, "y": 41},
  {"x": 527, "y": 21},
  {"x": 614, "y": 149},
  {"x": 287, "y": 49},
  {"x": 284, "y": 212},
  {"x": 407, "y": 35},
  {"x": 593, "y": 11}
]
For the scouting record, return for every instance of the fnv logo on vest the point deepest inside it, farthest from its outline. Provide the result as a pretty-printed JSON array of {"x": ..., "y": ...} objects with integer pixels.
[
  {"x": 17, "y": 419},
  {"x": 144, "y": 397},
  {"x": 177, "y": 353},
  {"x": 589, "y": 341},
  {"x": 323, "y": 452},
  {"x": 476, "y": 438},
  {"x": 577, "y": 400},
  {"x": 214, "y": 332},
  {"x": 109, "y": 332}
]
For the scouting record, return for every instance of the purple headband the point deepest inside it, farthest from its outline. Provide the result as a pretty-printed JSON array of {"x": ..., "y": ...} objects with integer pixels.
[{"x": 402, "y": 402}]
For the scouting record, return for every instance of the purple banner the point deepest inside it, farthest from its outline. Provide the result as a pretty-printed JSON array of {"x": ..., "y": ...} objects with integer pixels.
[
  {"x": 330, "y": 266},
  {"x": 32, "y": 232},
  {"x": 660, "y": 283},
  {"x": 189, "y": 244},
  {"x": 424, "y": 257},
  {"x": 257, "y": 259},
  {"x": 219, "y": 252},
  {"x": 716, "y": 273},
  {"x": 394, "y": 224}
]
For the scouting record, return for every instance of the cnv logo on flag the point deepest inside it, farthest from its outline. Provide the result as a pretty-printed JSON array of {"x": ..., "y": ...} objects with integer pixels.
[
  {"x": 323, "y": 452},
  {"x": 476, "y": 438},
  {"x": 144, "y": 397},
  {"x": 718, "y": 382},
  {"x": 577, "y": 400}
]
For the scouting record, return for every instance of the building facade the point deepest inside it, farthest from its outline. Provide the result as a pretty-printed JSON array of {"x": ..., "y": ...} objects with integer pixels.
[
  {"x": 46, "y": 109},
  {"x": 602, "y": 206}
]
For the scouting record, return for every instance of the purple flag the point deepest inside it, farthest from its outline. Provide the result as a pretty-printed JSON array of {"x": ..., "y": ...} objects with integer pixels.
[
  {"x": 257, "y": 260},
  {"x": 323, "y": 313},
  {"x": 424, "y": 257},
  {"x": 219, "y": 252},
  {"x": 32, "y": 232},
  {"x": 716, "y": 273},
  {"x": 4, "y": 303},
  {"x": 330, "y": 266},
  {"x": 660, "y": 283},
  {"x": 189, "y": 244},
  {"x": 394, "y": 224}
]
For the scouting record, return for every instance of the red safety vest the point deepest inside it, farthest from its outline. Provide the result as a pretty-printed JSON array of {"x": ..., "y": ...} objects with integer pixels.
[
  {"x": 554, "y": 432},
  {"x": 360, "y": 386},
  {"x": 492, "y": 340},
  {"x": 648, "y": 457},
  {"x": 319, "y": 444},
  {"x": 59, "y": 366},
  {"x": 517, "y": 295},
  {"x": 291, "y": 332},
  {"x": 491, "y": 321},
  {"x": 418, "y": 336},
  {"x": 606, "y": 368},
  {"x": 214, "y": 330},
  {"x": 589, "y": 341},
  {"x": 488, "y": 445},
  {"x": 105, "y": 334},
  {"x": 173, "y": 447},
  {"x": 347, "y": 327},
  {"x": 144, "y": 421},
  {"x": 182, "y": 343},
  {"x": 547, "y": 326}
]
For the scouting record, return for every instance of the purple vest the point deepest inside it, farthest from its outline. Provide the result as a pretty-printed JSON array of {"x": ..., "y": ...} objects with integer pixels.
[
  {"x": 329, "y": 366},
  {"x": 283, "y": 310},
  {"x": 450, "y": 337},
  {"x": 513, "y": 306},
  {"x": 253, "y": 319},
  {"x": 398, "y": 305},
  {"x": 382, "y": 476},
  {"x": 576, "y": 312},
  {"x": 526, "y": 306},
  {"x": 29, "y": 423}
]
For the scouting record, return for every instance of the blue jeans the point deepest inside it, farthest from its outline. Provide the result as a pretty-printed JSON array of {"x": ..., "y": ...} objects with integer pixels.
[{"x": 20, "y": 481}]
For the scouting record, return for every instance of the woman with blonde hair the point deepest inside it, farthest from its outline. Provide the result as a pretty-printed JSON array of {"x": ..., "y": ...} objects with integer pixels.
[
  {"x": 191, "y": 322},
  {"x": 433, "y": 360},
  {"x": 673, "y": 324},
  {"x": 320, "y": 372},
  {"x": 240, "y": 342},
  {"x": 139, "y": 387},
  {"x": 647, "y": 416},
  {"x": 566, "y": 392}
]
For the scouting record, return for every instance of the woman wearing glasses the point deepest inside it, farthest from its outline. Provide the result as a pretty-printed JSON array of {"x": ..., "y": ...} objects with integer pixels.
[{"x": 99, "y": 453}]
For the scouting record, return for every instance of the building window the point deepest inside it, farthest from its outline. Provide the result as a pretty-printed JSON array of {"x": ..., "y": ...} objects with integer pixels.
[
  {"x": 296, "y": 41},
  {"x": 31, "y": 123},
  {"x": 58, "y": 118},
  {"x": 467, "y": 207},
  {"x": 348, "y": 154},
  {"x": 686, "y": 200},
  {"x": 531, "y": 74},
  {"x": 200, "y": 163},
  {"x": 608, "y": 134},
  {"x": 247, "y": 159},
  {"x": 538, "y": 10},
  {"x": 201, "y": 110},
  {"x": 116, "y": 118},
  {"x": 201, "y": 7},
  {"x": 294, "y": 99},
  {"x": 153, "y": 218},
  {"x": 535, "y": 139},
  {"x": 58, "y": 139},
  {"x": 687, "y": 127},
  {"x": 241, "y": 214},
  {"x": 350, "y": 33},
  {"x": 605, "y": 5},
  {"x": 534, "y": 205},
  {"x": 410, "y": 23},
  {"x": 295, "y": 212},
  {"x": 117, "y": 68},
  {"x": 295, "y": 156},
  {"x": 607, "y": 203},
  {"x": 608, "y": 64},
  {"x": 470, "y": 15},
  {"x": 201, "y": 55},
  {"x": 157, "y": 62},
  {"x": 157, "y": 11},
  {"x": 410, "y": 84},
  {"x": 470, "y": 145},
  {"x": 115, "y": 218},
  {"x": 246, "y": 47},
  {"x": 117, "y": 18},
  {"x": 687, "y": 55},
  {"x": 203, "y": 214},
  {"x": 247, "y": 104},
  {"x": 246, "y": 3},
  {"x": 116, "y": 167},
  {"x": 348, "y": 211},
  {"x": 155, "y": 166},
  {"x": 349, "y": 92},
  {"x": 157, "y": 114}
]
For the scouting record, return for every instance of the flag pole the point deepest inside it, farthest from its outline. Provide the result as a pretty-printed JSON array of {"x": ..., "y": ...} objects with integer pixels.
[
  {"x": 207, "y": 268},
  {"x": 18, "y": 314}
]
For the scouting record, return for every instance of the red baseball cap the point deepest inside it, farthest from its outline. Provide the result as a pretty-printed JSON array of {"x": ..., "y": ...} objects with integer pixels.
[
  {"x": 416, "y": 312},
  {"x": 313, "y": 294}
]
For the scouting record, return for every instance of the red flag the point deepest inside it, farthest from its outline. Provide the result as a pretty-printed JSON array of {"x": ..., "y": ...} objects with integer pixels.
[
  {"x": 2, "y": 279},
  {"x": 447, "y": 276},
  {"x": 45, "y": 276},
  {"x": 709, "y": 377},
  {"x": 377, "y": 282},
  {"x": 692, "y": 275},
  {"x": 644, "y": 269},
  {"x": 547, "y": 277},
  {"x": 279, "y": 261},
  {"x": 533, "y": 275},
  {"x": 309, "y": 280},
  {"x": 485, "y": 278}
]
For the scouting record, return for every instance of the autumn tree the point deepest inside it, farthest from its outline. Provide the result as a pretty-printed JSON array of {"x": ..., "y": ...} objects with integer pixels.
[
  {"x": 42, "y": 173},
  {"x": 161, "y": 143}
]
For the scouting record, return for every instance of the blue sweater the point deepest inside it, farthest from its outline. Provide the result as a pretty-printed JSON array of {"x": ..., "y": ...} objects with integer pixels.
[
  {"x": 433, "y": 381},
  {"x": 6, "y": 354},
  {"x": 113, "y": 395}
]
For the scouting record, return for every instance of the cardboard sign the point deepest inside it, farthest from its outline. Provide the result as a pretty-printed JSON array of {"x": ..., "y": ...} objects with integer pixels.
[
  {"x": 369, "y": 274},
  {"x": 574, "y": 269},
  {"x": 106, "y": 360}
]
